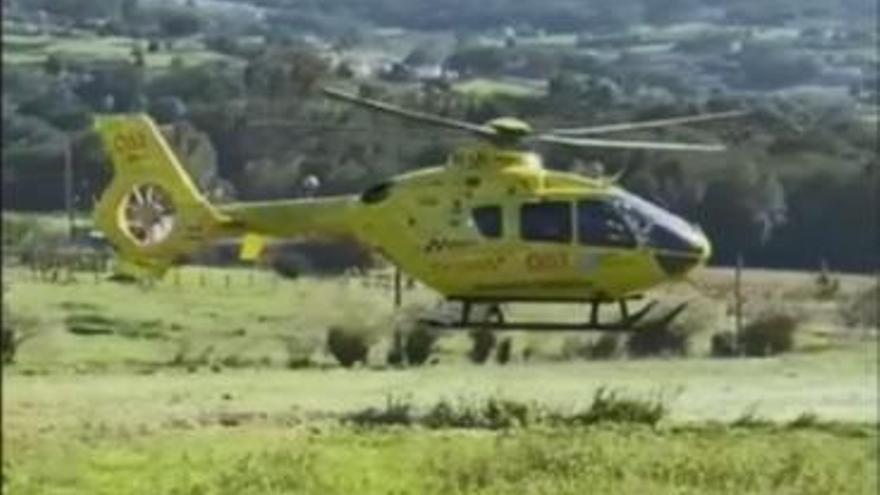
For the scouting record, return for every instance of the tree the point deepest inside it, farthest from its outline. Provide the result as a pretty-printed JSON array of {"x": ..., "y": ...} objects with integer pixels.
[
  {"x": 669, "y": 11},
  {"x": 771, "y": 65},
  {"x": 130, "y": 11},
  {"x": 53, "y": 65},
  {"x": 177, "y": 22},
  {"x": 742, "y": 210}
]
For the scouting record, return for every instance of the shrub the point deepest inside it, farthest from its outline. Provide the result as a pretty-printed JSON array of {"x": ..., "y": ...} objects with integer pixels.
[
  {"x": 496, "y": 413},
  {"x": 397, "y": 411},
  {"x": 493, "y": 413},
  {"x": 413, "y": 338},
  {"x": 502, "y": 355},
  {"x": 395, "y": 356},
  {"x": 419, "y": 344},
  {"x": 608, "y": 406},
  {"x": 804, "y": 420},
  {"x": 724, "y": 345},
  {"x": 827, "y": 285},
  {"x": 750, "y": 419},
  {"x": 8, "y": 344},
  {"x": 862, "y": 309},
  {"x": 769, "y": 334},
  {"x": 483, "y": 340},
  {"x": 606, "y": 347},
  {"x": 348, "y": 347},
  {"x": 14, "y": 331},
  {"x": 660, "y": 337},
  {"x": 298, "y": 353},
  {"x": 656, "y": 341}
]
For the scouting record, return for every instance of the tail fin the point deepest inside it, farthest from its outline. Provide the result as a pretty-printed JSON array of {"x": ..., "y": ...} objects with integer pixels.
[{"x": 151, "y": 212}]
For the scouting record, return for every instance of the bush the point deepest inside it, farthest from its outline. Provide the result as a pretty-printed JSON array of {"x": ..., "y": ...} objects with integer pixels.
[
  {"x": 606, "y": 347},
  {"x": 298, "y": 353},
  {"x": 502, "y": 355},
  {"x": 827, "y": 285},
  {"x": 724, "y": 345},
  {"x": 608, "y": 406},
  {"x": 397, "y": 411},
  {"x": 862, "y": 309},
  {"x": 483, "y": 340},
  {"x": 656, "y": 341},
  {"x": 497, "y": 413},
  {"x": 492, "y": 414},
  {"x": 419, "y": 344},
  {"x": 8, "y": 342},
  {"x": 15, "y": 330},
  {"x": 660, "y": 337},
  {"x": 395, "y": 356},
  {"x": 348, "y": 347},
  {"x": 769, "y": 334}
]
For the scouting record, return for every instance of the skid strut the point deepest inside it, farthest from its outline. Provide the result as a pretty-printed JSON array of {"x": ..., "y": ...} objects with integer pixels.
[{"x": 493, "y": 318}]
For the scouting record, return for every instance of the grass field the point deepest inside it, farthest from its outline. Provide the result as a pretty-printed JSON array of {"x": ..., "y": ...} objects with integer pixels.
[
  {"x": 487, "y": 87},
  {"x": 189, "y": 393}
]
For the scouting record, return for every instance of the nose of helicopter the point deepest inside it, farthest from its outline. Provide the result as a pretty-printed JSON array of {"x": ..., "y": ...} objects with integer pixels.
[{"x": 680, "y": 248}]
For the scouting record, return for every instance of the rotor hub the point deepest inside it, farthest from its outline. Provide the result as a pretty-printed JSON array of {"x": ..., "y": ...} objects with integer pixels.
[{"x": 510, "y": 127}]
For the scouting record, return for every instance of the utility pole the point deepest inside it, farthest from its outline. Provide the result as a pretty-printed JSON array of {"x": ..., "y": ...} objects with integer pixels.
[
  {"x": 398, "y": 293},
  {"x": 68, "y": 186},
  {"x": 738, "y": 302}
]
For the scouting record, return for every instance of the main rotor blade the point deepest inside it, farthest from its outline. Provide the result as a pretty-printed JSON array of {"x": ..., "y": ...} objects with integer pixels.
[
  {"x": 636, "y": 145},
  {"x": 417, "y": 116},
  {"x": 648, "y": 124}
]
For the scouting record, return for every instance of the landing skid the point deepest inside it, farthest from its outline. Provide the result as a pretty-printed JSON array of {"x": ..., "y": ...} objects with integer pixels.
[{"x": 494, "y": 319}]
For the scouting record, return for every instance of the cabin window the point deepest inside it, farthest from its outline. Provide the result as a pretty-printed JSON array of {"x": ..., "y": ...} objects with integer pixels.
[
  {"x": 548, "y": 222},
  {"x": 488, "y": 220},
  {"x": 599, "y": 224}
]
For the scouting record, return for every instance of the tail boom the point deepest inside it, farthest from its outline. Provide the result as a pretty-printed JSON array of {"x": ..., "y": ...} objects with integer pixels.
[{"x": 154, "y": 215}]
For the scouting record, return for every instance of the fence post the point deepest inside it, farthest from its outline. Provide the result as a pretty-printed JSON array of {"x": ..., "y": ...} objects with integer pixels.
[
  {"x": 738, "y": 302},
  {"x": 398, "y": 295}
]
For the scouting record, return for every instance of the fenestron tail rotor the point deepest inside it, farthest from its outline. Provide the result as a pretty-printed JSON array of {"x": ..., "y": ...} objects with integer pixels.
[
  {"x": 509, "y": 131},
  {"x": 148, "y": 214}
]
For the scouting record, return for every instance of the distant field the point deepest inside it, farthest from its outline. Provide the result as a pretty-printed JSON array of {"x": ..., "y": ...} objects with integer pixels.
[
  {"x": 485, "y": 87},
  {"x": 32, "y": 50}
]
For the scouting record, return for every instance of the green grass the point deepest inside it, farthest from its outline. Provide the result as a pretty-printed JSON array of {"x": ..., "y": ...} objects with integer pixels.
[
  {"x": 246, "y": 313},
  {"x": 265, "y": 460},
  {"x": 113, "y": 414},
  {"x": 487, "y": 87}
]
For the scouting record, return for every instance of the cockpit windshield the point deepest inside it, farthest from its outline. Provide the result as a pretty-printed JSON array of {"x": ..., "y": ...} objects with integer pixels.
[
  {"x": 654, "y": 225},
  {"x": 644, "y": 215}
]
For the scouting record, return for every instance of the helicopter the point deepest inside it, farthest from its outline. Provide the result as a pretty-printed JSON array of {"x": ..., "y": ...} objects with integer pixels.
[{"x": 489, "y": 227}]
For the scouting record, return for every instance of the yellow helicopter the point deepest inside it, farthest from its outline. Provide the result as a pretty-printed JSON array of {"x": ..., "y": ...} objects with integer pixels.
[{"x": 490, "y": 226}]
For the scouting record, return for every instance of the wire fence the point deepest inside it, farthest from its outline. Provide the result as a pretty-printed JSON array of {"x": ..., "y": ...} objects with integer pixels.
[{"x": 77, "y": 266}]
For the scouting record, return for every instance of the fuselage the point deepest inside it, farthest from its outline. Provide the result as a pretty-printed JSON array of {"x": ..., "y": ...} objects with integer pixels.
[{"x": 495, "y": 224}]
